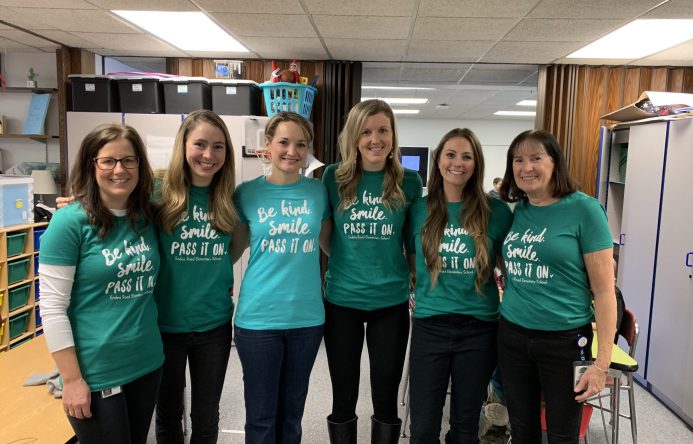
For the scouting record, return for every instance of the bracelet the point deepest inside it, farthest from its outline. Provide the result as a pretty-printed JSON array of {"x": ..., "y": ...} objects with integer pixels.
[{"x": 599, "y": 368}]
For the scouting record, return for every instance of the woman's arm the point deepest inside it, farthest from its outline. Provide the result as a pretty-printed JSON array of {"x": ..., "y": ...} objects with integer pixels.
[
  {"x": 240, "y": 239},
  {"x": 601, "y": 276},
  {"x": 325, "y": 236}
]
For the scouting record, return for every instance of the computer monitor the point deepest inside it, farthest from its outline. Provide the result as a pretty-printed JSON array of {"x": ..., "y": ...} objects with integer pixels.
[{"x": 416, "y": 158}]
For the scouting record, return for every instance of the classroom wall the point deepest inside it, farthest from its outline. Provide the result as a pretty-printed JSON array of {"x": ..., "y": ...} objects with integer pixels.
[{"x": 495, "y": 137}]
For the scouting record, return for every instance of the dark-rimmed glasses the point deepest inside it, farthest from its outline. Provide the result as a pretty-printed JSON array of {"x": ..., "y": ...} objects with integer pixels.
[{"x": 109, "y": 163}]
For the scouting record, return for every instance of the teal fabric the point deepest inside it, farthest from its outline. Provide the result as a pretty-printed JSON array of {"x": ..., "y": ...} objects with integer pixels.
[
  {"x": 455, "y": 292},
  {"x": 196, "y": 274},
  {"x": 112, "y": 310},
  {"x": 281, "y": 286},
  {"x": 548, "y": 287},
  {"x": 367, "y": 268}
]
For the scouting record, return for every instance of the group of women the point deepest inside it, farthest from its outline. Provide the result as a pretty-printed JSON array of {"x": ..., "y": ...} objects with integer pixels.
[{"x": 132, "y": 249}]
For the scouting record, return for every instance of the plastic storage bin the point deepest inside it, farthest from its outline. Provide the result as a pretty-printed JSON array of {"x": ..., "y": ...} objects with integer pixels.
[
  {"x": 17, "y": 271},
  {"x": 36, "y": 264},
  {"x": 17, "y": 297},
  {"x": 235, "y": 97},
  {"x": 37, "y": 293},
  {"x": 92, "y": 93},
  {"x": 186, "y": 94},
  {"x": 284, "y": 96},
  {"x": 16, "y": 200},
  {"x": 37, "y": 238},
  {"x": 140, "y": 95},
  {"x": 18, "y": 325},
  {"x": 39, "y": 321},
  {"x": 15, "y": 244}
]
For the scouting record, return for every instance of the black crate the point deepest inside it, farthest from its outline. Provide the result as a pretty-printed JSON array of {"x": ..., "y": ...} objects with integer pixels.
[
  {"x": 92, "y": 93},
  {"x": 236, "y": 97},
  {"x": 182, "y": 96},
  {"x": 141, "y": 95}
]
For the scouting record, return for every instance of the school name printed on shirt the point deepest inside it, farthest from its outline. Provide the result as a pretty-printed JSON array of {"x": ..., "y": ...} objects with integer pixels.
[
  {"x": 452, "y": 246},
  {"x": 132, "y": 264},
  {"x": 296, "y": 226},
  {"x": 365, "y": 223},
  {"x": 522, "y": 261},
  {"x": 197, "y": 241}
]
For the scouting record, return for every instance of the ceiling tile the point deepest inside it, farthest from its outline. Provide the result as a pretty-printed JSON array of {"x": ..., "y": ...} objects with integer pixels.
[
  {"x": 475, "y": 8},
  {"x": 264, "y": 25},
  {"x": 125, "y": 42},
  {"x": 65, "y": 38},
  {"x": 586, "y": 9},
  {"x": 357, "y": 49},
  {"x": 449, "y": 50},
  {"x": 673, "y": 9},
  {"x": 680, "y": 55},
  {"x": 491, "y": 76},
  {"x": 84, "y": 20},
  {"x": 348, "y": 27},
  {"x": 57, "y": 4},
  {"x": 27, "y": 39},
  {"x": 374, "y": 75},
  {"x": 428, "y": 28},
  {"x": 437, "y": 74},
  {"x": 561, "y": 30},
  {"x": 380, "y": 8},
  {"x": 11, "y": 45},
  {"x": 252, "y": 6},
  {"x": 149, "y": 5},
  {"x": 294, "y": 48},
  {"x": 22, "y": 17},
  {"x": 530, "y": 52}
]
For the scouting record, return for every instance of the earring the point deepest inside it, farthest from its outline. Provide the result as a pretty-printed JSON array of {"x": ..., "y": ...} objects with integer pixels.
[{"x": 390, "y": 156}]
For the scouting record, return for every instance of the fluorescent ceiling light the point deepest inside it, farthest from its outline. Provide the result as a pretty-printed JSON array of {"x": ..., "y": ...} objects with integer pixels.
[
  {"x": 398, "y": 88},
  {"x": 189, "y": 31},
  {"x": 515, "y": 113},
  {"x": 527, "y": 103},
  {"x": 638, "y": 39},
  {"x": 399, "y": 100},
  {"x": 405, "y": 111}
]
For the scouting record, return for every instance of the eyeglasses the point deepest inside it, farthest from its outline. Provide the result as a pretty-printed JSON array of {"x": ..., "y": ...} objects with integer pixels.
[{"x": 109, "y": 163}]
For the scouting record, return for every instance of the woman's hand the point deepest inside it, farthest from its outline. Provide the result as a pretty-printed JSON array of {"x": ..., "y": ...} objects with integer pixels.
[
  {"x": 77, "y": 399},
  {"x": 592, "y": 382},
  {"x": 63, "y": 201}
]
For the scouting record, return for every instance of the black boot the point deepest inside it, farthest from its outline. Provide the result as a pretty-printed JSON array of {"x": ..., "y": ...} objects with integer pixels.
[
  {"x": 382, "y": 433},
  {"x": 342, "y": 432}
]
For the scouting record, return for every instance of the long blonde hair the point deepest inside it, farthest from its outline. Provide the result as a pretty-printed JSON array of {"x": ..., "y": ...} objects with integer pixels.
[
  {"x": 350, "y": 171},
  {"x": 178, "y": 179},
  {"x": 476, "y": 212}
]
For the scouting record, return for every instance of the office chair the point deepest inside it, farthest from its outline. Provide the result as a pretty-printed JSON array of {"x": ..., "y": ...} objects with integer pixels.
[{"x": 629, "y": 331}]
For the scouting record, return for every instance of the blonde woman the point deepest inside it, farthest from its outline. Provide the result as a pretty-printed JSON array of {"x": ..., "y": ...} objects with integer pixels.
[
  {"x": 195, "y": 215},
  {"x": 367, "y": 282},
  {"x": 456, "y": 232}
]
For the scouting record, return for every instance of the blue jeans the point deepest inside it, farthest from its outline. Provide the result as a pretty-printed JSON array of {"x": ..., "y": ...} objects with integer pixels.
[
  {"x": 207, "y": 354},
  {"x": 123, "y": 418},
  {"x": 276, "y": 371},
  {"x": 533, "y": 362},
  {"x": 453, "y": 347}
]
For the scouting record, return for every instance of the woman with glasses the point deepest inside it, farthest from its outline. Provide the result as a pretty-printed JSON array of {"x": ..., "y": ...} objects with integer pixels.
[{"x": 99, "y": 258}]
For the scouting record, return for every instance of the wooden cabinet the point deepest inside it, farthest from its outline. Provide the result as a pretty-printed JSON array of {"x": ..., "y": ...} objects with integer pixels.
[
  {"x": 18, "y": 284},
  {"x": 651, "y": 218}
]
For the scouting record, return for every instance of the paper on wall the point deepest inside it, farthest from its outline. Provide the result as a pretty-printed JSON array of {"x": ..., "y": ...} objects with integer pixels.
[{"x": 159, "y": 151}]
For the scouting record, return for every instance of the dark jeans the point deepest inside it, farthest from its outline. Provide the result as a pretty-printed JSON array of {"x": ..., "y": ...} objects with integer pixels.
[
  {"x": 207, "y": 354},
  {"x": 387, "y": 332},
  {"x": 533, "y": 362},
  {"x": 457, "y": 348},
  {"x": 276, "y": 371},
  {"x": 123, "y": 418}
]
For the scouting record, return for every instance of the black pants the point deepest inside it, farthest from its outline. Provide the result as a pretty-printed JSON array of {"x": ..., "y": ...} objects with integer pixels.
[
  {"x": 123, "y": 418},
  {"x": 386, "y": 331},
  {"x": 208, "y": 355},
  {"x": 533, "y": 362}
]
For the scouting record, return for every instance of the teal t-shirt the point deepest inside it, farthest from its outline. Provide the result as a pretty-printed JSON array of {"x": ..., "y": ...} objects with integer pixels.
[
  {"x": 196, "y": 273},
  {"x": 548, "y": 287},
  {"x": 455, "y": 292},
  {"x": 281, "y": 285},
  {"x": 112, "y": 310},
  {"x": 367, "y": 268}
]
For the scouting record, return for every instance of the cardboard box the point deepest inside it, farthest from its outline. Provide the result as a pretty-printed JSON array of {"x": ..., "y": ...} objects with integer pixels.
[{"x": 634, "y": 112}]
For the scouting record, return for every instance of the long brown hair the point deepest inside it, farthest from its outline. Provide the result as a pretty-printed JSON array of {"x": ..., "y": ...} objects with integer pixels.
[
  {"x": 178, "y": 179},
  {"x": 474, "y": 216},
  {"x": 350, "y": 171},
  {"x": 85, "y": 189}
]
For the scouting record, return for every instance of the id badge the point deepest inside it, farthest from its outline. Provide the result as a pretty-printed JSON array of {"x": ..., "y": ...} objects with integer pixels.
[
  {"x": 579, "y": 367},
  {"x": 110, "y": 392}
]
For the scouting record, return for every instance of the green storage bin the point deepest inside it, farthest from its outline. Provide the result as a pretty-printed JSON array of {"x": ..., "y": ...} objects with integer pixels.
[
  {"x": 17, "y": 270},
  {"x": 18, "y": 325},
  {"x": 15, "y": 244},
  {"x": 18, "y": 296}
]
